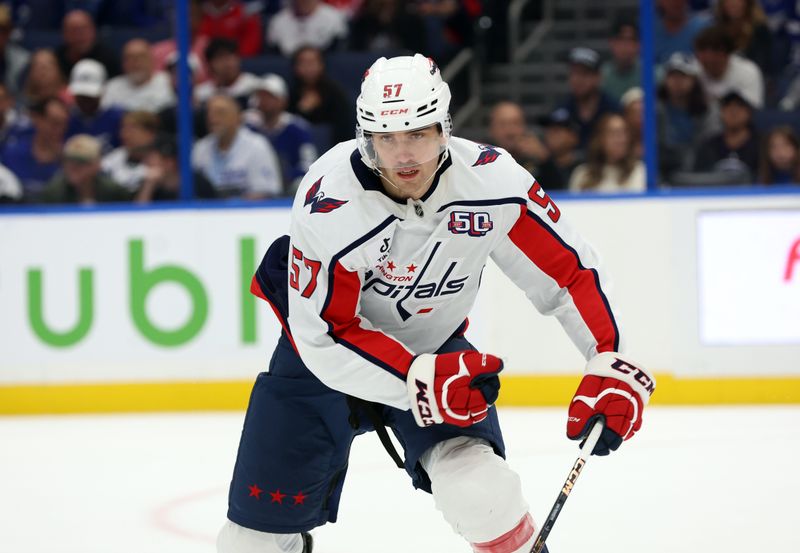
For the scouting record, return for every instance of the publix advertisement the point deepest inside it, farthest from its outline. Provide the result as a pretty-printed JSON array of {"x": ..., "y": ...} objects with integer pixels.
[
  {"x": 706, "y": 288},
  {"x": 129, "y": 295}
]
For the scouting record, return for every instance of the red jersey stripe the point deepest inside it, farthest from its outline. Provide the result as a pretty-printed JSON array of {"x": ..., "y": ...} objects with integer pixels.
[
  {"x": 561, "y": 262},
  {"x": 255, "y": 289},
  {"x": 345, "y": 328}
]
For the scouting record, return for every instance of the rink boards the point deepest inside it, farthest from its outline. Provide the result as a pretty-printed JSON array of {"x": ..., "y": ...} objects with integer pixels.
[{"x": 136, "y": 310}]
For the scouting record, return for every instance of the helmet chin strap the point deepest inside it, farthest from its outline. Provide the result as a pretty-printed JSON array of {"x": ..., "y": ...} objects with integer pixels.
[{"x": 386, "y": 178}]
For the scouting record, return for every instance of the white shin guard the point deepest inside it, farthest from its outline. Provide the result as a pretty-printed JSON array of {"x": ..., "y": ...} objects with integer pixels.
[
  {"x": 238, "y": 539},
  {"x": 479, "y": 495}
]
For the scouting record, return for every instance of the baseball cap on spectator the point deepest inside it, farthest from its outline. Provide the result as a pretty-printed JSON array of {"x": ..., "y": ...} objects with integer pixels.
[
  {"x": 586, "y": 57},
  {"x": 172, "y": 59},
  {"x": 683, "y": 63},
  {"x": 735, "y": 96},
  {"x": 83, "y": 148},
  {"x": 88, "y": 78},
  {"x": 631, "y": 95},
  {"x": 274, "y": 84},
  {"x": 559, "y": 118}
]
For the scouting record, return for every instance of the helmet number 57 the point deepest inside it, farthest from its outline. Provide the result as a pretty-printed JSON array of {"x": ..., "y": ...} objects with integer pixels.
[{"x": 392, "y": 90}]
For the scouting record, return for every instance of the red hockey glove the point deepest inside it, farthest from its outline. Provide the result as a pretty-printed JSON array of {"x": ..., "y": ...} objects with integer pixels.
[
  {"x": 614, "y": 390},
  {"x": 456, "y": 388}
]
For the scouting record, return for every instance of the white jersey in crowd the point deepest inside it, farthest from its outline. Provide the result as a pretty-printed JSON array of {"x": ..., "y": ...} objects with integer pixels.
[
  {"x": 375, "y": 281},
  {"x": 610, "y": 179},
  {"x": 244, "y": 85},
  {"x": 288, "y": 32},
  {"x": 123, "y": 170},
  {"x": 153, "y": 96},
  {"x": 743, "y": 76},
  {"x": 250, "y": 165},
  {"x": 10, "y": 187}
]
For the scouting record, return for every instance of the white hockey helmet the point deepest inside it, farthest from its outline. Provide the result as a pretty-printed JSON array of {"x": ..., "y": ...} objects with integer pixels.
[{"x": 400, "y": 94}]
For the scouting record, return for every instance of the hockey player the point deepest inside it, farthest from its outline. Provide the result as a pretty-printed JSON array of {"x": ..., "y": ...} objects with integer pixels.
[{"x": 389, "y": 235}]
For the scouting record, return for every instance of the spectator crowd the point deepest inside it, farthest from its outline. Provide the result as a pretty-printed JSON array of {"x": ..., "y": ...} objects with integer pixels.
[
  {"x": 91, "y": 118},
  {"x": 728, "y": 88},
  {"x": 85, "y": 119}
]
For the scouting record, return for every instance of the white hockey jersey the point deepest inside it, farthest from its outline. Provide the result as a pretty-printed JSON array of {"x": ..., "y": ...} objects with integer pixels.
[{"x": 374, "y": 281}]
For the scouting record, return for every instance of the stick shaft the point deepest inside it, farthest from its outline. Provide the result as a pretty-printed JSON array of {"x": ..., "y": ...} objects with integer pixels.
[{"x": 580, "y": 462}]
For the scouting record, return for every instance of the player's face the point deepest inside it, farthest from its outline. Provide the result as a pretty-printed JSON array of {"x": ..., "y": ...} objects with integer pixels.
[{"x": 408, "y": 159}]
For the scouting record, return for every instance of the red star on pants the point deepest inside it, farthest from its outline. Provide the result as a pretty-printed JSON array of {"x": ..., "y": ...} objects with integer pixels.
[
  {"x": 277, "y": 496},
  {"x": 411, "y": 268},
  {"x": 299, "y": 499},
  {"x": 390, "y": 265},
  {"x": 255, "y": 491}
]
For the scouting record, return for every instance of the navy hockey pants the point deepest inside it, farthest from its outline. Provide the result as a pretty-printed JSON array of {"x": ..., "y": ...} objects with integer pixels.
[{"x": 295, "y": 444}]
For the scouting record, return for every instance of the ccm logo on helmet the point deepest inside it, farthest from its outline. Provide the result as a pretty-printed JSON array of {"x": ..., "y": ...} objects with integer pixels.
[{"x": 394, "y": 111}]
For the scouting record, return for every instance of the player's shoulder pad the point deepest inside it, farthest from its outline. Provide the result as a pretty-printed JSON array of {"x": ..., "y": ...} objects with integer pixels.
[
  {"x": 492, "y": 165},
  {"x": 330, "y": 204}
]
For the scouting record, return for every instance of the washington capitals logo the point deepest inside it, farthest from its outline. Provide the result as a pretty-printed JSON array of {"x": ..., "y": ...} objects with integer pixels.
[
  {"x": 413, "y": 291},
  {"x": 318, "y": 202},
  {"x": 488, "y": 155}
]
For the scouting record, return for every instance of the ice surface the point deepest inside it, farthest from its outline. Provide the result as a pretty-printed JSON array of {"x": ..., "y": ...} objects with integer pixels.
[{"x": 695, "y": 480}]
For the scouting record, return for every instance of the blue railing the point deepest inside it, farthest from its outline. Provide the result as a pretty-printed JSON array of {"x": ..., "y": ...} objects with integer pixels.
[
  {"x": 185, "y": 133},
  {"x": 649, "y": 132},
  {"x": 66, "y": 209}
]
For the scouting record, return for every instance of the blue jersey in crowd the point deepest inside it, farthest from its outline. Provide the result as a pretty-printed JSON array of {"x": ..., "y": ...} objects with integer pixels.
[
  {"x": 104, "y": 126},
  {"x": 294, "y": 145},
  {"x": 667, "y": 44},
  {"x": 605, "y": 105},
  {"x": 33, "y": 176},
  {"x": 18, "y": 126},
  {"x": 784, "y": 21}
]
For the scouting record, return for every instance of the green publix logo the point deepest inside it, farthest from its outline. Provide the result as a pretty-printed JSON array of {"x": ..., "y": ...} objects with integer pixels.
[{"x": 142, "y": 282}]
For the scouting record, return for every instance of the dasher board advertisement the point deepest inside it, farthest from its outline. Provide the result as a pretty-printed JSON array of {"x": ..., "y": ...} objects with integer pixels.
[{"x": 749, "y": 277}]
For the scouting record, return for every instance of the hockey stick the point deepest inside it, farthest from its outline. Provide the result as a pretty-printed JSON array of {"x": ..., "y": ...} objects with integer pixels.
[{"x": 586, "y": 450}]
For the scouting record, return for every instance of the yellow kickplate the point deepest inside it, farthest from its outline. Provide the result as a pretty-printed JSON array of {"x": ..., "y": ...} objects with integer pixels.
[{"x": 517, "y": 390}]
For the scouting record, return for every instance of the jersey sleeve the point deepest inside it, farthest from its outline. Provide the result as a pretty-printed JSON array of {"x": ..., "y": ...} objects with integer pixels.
[
  {"x": 335, "y": 341},
  {"x": 559, "y": 272}
]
